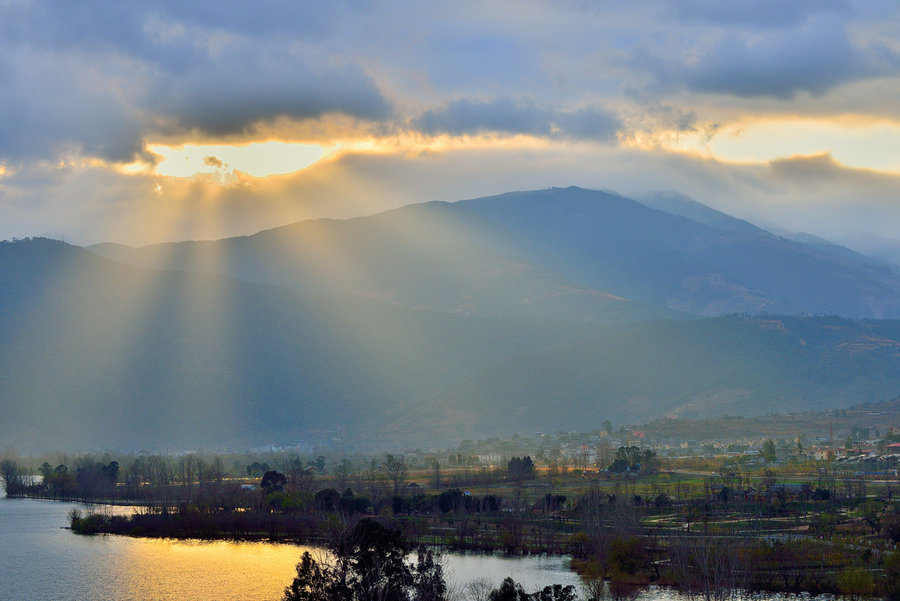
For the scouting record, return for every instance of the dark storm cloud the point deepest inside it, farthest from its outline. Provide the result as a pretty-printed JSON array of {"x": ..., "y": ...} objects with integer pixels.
[
  {"x": 813, "y": 58},
  {"x": 102, "y": 77},
  {"x": 469, "y": 117},
  {"x": 51, "y": 103},
  {"x": 502, "y": 115},
  {"x": 589, "y": 123},
  {"x": 98, "y": 78},
  {"x": 233, "y": 93}
]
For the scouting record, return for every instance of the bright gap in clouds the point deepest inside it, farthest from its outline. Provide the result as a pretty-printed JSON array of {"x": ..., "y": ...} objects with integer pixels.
[
  {"x": 864, "y": 145},
  {"x": 258, "y": 159}
]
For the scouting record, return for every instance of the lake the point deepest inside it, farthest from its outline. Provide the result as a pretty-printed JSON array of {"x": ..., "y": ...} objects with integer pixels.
[{"x": 40, "y": 560}]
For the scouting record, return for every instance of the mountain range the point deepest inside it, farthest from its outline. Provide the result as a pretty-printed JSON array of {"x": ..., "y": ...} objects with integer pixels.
[
  {"x": 543, "y": 310},
  {"x": 550, "y": 253}
]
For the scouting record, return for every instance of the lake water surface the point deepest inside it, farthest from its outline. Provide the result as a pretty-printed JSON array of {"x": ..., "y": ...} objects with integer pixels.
[{"x": 42, "y": 561}]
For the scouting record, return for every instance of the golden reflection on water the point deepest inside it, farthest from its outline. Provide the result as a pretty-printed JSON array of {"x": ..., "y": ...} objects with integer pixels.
[
  {"x": 173, "y": 570},
  {"x": 39, "y": 559}
]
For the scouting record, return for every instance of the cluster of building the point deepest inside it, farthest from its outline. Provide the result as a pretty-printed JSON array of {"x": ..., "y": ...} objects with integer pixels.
[{"x": 583, "y": 450}]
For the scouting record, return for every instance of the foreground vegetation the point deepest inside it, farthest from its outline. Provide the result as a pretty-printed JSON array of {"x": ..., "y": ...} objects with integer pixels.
[
  {"x": 706, "y": 526},
  {"x": 368, "y": 562}
]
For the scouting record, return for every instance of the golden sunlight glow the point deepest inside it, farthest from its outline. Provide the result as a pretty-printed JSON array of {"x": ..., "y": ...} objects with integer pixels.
[
  {"x": 863, "y": 145},
  {"x": 205, "y": 570},
  {"x": 228, "y": 163},
  {"x": 258, "y": 159}
]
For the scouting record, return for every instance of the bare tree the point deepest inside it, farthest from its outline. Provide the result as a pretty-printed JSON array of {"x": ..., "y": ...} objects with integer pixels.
[
  {"x": 436, "y": 473},
  {"x": 478, "y": 590},
  {"x": 584, "y": 454},
  {"x": 300, "y": 479},
  {"x": 189, "y": 466},
  {"x": 13, "y": 477},
  {"x": 342, "y": 471},
  {"x": 553, "y": 467},
  {"x": 396, "y": 470},
  {"x": 359, "y": 480},
  {"x": 218, "y": 469},
  {"x": 372, "y": 479},
  {"x": 159, "y": 474},
  {"x": 592, "y": 582},
  {"x": 713, "y": 568}
]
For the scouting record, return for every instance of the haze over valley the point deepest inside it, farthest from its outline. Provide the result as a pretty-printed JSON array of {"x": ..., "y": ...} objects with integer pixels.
[
  {"x": 435, "y": 322},
  {"x": 352, "y": 223}
]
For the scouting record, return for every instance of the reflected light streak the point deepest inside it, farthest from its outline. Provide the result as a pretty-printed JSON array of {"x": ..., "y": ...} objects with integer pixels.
[{"x": 206, "y": 570}]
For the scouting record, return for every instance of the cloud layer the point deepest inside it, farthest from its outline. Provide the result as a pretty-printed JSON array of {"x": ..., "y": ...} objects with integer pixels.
[{"x": 599, "y": 90}]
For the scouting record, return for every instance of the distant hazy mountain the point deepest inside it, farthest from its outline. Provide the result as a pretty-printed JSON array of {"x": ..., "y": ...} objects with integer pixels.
[
  {"x": 568, "y": 253},
  {"x": 884, "y": 249},
  {"x": 96, "y": 353},
  {"x": 431, "y": 256},
  {"x": 841, "y": 252},
  {"x": 678, "y": 204},
  {"x": 725, "y": 365}
]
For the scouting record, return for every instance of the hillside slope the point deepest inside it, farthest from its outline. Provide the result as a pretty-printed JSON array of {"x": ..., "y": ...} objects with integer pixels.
[
  {"x": 725, "y": 365},
  {"x": 99, "y": 354},
  {"x": 564, "y": 253}
]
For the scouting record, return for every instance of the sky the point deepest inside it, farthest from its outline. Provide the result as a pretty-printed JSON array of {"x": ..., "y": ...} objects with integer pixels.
[{"x": 166, "y": 120}]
